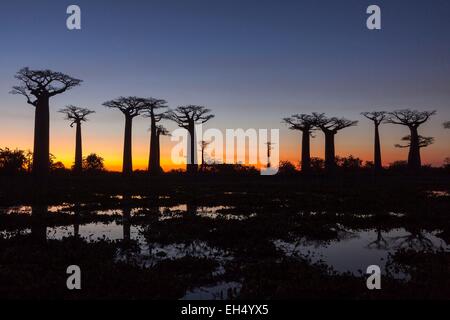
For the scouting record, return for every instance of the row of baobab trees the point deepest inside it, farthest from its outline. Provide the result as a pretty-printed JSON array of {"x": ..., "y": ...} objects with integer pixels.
[
  {"x": 38, "y": 86},
  {"x": 412, "y": 119}
]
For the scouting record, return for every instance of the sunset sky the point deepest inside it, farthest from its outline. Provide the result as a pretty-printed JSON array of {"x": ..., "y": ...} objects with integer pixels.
[{"x": 251, "y": 62}]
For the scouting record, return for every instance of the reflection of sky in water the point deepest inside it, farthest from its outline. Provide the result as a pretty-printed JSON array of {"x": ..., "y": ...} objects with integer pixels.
[{"x": 359, "y": 249}]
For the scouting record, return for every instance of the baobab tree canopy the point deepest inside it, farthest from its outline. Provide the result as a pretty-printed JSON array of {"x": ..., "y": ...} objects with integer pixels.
[
  {"x": 376, "y": 116},
  {"x": 410, "y": 118},
  {"x": 129, "y": 106},
  {"x": 333, "y": 124},
  {"x": 42, "y": 84},
  {"x": 185, "y": 115},
  {"x": 76, "y": 114},
  {"x": 150, "y": 105},
  {"x": 302, "y": 122}
]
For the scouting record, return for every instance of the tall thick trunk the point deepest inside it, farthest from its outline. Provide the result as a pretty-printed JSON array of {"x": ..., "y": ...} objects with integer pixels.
[
  {"x": 377, "y": 152},
  {"x": 330, "y": 157},
  {"x": 127, "y": 168},
  {"x": 78, "y": 150},
  {"x": 306, "y": 157},
  {"x": 153, "y": 164},
  {"x": 158, "y": 154},
  {"x": 41, "y": 152},
  {"x": 414, "y": 161},
  {"x": 192, "y": 166}
]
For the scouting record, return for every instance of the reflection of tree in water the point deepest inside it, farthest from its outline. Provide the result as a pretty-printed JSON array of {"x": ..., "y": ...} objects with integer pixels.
[
  {"x": 380, "y": 242},
  {"x": 416, "y": 240}
]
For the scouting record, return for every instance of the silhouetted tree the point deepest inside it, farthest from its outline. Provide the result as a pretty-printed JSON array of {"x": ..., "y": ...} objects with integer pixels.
[
  {"x": 377, "y": 118},
  {"x": 151, "y": 108},
  {"x": 305, "y": 124},
  {"x": 331, "y": 126},
  {"x": 187, "y": 117},
  {"x": 203, "y": 145},
  {"x": 160, "y": 131},
  {"x": 76, "y": 116},
  {"x": 412, "y": 119},
  {"x": 12, "y": 161},
  {"x": 447, "y": 125},
  {"x": 38, "y": 86},
  {"x": 130, "y": 107},
  {"x": 93, "y": 163}
]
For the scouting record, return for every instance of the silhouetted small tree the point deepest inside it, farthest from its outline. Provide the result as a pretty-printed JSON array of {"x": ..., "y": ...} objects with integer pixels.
[
  {"x": 130, "y": 107},
  {"x": 12, "y": 161},
  {"x": 330, "y": 127},
  {"x": 93, "y": 163},
  {"x": 151, "y": 110},
  {"x": 412, "y": 119},
  {"x": 446, "y": 125},
  {"x": 187, "y": 117},
  {"x": 76, "y": 116},
  {"x": 305, "y": 124},
  {"x": 286, "y": 168},
  {"x": 423, "y": 142},
  {"x": 377, "y": 117},
  {"x": 160, "y": 131},
  {"x": 38, "y": 86}
]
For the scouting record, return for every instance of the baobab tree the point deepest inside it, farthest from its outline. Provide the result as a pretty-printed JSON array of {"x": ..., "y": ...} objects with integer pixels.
[
  {"x": 305, "y": 124},
  {"x": 446, "y": 125},
  {"x": 187, "y": 117},
  {"x": 377, "y": 117},
  {"x": 160, "y": 131},
  {"x": 76, "y": 116},
  {"x": 330, "y": 127},
  {"x": 151, "y": 110},
  {"x": 38, "y": 86},
  {"x": 131, "y": 107},
  {"x": 412, "y": 119},
  {"x": 203, "y": 145}
]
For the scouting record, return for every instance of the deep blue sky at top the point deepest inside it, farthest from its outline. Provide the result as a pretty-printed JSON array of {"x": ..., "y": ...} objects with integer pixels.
[{"x": 252, "y": 61}]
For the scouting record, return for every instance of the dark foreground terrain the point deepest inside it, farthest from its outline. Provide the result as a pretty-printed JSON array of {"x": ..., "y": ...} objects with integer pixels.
[{"x": 177, "y": 237}]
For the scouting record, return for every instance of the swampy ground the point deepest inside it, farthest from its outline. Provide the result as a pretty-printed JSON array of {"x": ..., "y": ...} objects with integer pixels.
[{"x": 181, "y": 237}]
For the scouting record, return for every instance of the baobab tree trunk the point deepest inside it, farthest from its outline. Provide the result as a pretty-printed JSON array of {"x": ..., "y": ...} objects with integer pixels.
[
  {"x": 192, "y": 159},
  {"x": 306, "y": 157},
  {"x": 158, "y": 154},
  {"x": 127, "y": 168},
  {"x": 377, "y": 152},
  {"x": 414, "y": 161},
  {"x": 41, "y": 152},
  {"x": 153, "y": 163},
  {"x": 330, "y": 157},
  {"x": 78, "y": 150}
]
